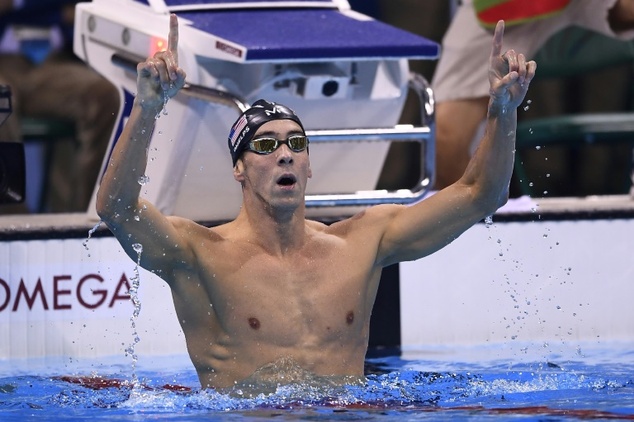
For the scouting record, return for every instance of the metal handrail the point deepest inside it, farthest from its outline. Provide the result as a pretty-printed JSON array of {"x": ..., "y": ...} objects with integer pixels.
[
  {"x": 425, "y": 134},
  {"x": 400, "y": 133}
]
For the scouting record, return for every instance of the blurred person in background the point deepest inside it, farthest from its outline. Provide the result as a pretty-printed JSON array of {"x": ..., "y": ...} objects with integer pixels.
[
  {"x": 48, "y": 81},
  {"x": 558, "y": 170},
  {"x": 461, "y": 97}
]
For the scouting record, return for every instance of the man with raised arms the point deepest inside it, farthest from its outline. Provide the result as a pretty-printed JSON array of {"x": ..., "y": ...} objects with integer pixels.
[{"x": 271, "y": 287}]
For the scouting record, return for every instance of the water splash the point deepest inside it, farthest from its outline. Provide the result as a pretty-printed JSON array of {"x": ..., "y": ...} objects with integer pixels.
[
  {"x": 166, "y": 98},
  {"x": 134, "y": 297},
  {"x": 90, "y": 233},
  {"x": 527, "y": 106},
  {"x": 588, "y": 387}
]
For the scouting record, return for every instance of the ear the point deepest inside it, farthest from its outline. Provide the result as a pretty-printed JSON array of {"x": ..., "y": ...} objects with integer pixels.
[{"x": 238, "y": 171}]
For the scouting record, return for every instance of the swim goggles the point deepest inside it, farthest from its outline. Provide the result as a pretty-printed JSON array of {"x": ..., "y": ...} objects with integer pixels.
[{"x": 296, "y": 143}]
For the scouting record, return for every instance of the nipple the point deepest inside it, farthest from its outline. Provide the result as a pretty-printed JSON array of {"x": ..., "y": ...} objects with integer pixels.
[
  {"x": 350, "y": 318},
  {"x": 254, "y": 323}
]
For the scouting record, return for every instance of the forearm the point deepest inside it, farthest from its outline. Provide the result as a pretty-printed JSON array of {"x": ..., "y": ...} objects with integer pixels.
[
  {"x": 489, "y": 172},
  {"x": 120, "y": 189},
  {"x": 158, "y": 78}
]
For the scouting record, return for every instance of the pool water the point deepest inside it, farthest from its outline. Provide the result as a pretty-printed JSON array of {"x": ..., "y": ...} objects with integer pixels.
[{"x": 428, "y": 384}]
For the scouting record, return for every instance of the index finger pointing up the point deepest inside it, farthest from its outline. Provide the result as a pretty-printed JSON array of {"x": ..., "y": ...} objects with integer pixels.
[
  {"x": 172, "y": 40},
  {"x": 496, "y": 50}
]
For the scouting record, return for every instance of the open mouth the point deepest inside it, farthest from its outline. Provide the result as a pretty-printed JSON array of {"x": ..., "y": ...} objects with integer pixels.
[{"x": 286, "y": 180}]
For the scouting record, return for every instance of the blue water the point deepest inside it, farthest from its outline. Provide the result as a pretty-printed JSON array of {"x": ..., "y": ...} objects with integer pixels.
[{"x": 422, "y": 385}]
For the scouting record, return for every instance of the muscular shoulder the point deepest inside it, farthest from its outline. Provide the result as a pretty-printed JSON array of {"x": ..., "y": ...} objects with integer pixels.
[
  {"x": 187, "y": 227},
  {"x": 373, "y": 219},
  {"x": 196, "y": 235}
]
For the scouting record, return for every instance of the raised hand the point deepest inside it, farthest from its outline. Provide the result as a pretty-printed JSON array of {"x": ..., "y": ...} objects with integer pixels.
[
  {"x": 159, "y": 78},
  {"x": 509, "y": 74}
]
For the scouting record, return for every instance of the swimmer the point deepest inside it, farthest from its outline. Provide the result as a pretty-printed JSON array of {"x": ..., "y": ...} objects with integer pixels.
[{"x": 271, "y": 286}]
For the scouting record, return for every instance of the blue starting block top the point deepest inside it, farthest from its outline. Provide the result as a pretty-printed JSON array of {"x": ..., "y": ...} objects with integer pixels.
[
  {"x": 296, "y": 30},
  {"x": 175, "y": 5},
  {"x": 309, "y": 35}
]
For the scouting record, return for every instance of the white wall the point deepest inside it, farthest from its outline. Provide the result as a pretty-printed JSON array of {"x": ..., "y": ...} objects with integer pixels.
[{"x": 567, "y": 281}]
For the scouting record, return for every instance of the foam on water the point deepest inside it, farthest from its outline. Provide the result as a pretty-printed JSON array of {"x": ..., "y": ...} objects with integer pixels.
[{"x": 594, "y": 387}]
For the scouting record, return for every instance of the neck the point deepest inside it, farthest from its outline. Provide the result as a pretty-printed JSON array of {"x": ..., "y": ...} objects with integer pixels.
[{"x": 277, "y": 230}]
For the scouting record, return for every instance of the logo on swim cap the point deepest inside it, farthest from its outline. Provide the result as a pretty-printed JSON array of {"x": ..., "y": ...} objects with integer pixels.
[
  {"x": 236, "y": 131},
  {"x": 246, "y": 126}
]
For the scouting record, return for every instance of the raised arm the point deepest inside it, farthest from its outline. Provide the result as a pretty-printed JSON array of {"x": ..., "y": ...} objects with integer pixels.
[
  {"x": 416, "y": 231},
  {"x": 132, "y": 219}
]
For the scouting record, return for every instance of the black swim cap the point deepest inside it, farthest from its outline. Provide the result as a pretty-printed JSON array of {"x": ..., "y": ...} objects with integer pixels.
[{"x": 244, "y": 128}]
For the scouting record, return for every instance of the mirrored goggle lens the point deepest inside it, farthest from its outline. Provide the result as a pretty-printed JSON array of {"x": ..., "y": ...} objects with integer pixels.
[{"x": 296, "y": 143}]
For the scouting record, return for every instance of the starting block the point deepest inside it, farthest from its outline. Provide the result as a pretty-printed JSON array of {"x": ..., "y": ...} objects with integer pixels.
[{"x": 343, "y": 73}]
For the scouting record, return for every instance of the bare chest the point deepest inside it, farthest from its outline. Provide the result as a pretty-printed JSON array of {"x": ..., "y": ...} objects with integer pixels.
[{"x": 307, "y": 298}]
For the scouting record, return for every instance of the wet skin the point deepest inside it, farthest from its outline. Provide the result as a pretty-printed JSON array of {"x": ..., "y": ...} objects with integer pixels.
[{"x": 271, "y": 286}]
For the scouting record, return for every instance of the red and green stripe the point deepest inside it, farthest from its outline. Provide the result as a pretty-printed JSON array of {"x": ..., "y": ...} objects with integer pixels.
[{"x": 516, "y": 11}]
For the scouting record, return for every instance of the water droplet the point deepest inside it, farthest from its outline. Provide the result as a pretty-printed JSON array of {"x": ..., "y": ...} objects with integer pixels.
[
  {"x": 143, "y": 180},
  {"x": 90, "y": 233},
  {"x": 137, "y": 218},
  {"x": 166, "y": 98},
  {"x": 138, "y": 248},
  {"x": 538, "y": 147},
  {"x": 488, "y": 220}
]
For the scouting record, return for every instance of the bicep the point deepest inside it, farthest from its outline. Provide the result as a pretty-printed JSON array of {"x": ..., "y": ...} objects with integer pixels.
[
  {"x": 419, "y": 230},
  {"x": 156, "y": 241}
]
